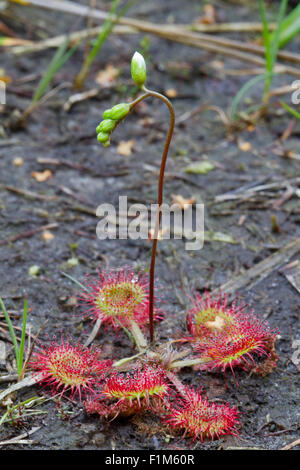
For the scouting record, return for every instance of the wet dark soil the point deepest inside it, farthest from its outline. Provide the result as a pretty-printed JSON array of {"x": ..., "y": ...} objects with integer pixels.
[{"x": 86, "y": 175}]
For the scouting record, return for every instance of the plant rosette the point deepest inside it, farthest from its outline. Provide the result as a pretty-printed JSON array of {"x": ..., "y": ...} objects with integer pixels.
[
  {"x": 118, "y": 297},
  {"x": 65, "y": 367}
]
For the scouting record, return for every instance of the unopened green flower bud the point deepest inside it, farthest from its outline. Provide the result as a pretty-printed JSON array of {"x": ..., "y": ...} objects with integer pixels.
[
  {"x": 106, "y": 144},
  {"x": 118, "y": 112},
  {"x": 138, "y": 69},
  {"x": 106, "y": 114},
  {"x": 107, "y": 125},
  {"x": 103, "y": 137}
]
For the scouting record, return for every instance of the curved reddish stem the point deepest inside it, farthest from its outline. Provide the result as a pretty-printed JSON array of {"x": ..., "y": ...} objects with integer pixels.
[{"x": 159, "y": 198}]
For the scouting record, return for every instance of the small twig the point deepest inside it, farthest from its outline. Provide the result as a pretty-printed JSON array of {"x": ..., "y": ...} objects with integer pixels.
[
  {"x": 27, "y": 382},
  {"x": 189, "y": 114},
  {"x": 55, "y": 161},
  {"x": 260, "y": 270},
  {"x": 187, "y": 363},
  {"x": 77, "y": 36},
  {"x": 8, "y": 378},
  {"x": 285, "y": 197},
  {"x": 291, "y": 445},
  {"x": 30, "y": 194},
  {"x": 72, "y": 194},
  {"x": 78, "y": 97},
  {"x": 238, "y": 26},
  {"x": 249, "y": 190},
  {"x": 21, "y": 438},
  {"x": 32, "y": 107},
  {"x": 28, "y": 234},
  {"x": 125, "y": 360},
  {"x": 94, "y": 332}
]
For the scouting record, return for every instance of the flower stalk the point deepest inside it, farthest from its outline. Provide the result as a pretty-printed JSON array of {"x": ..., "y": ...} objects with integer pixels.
[{"x": 112, "y": 117}]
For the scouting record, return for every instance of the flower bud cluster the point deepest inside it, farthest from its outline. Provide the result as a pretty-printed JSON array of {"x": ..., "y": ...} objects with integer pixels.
[{"x": 111, "y": 118}]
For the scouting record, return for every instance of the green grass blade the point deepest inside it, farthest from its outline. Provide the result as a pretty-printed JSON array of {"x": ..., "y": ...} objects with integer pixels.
[
  {"x": 243, "y": 91},
  {"x": 58, "y": 60},
  {"x": 290, "y": 110},
  {"x": 266, "y": 34},
  {"x": 22, "y": 344},
  {"x": 271, "y": 43},
  {"x": 107, "y": 28},
  {"x": 44, "y": 82},
  {"x": 11, "y": 330},
  {"x": 275, "y": 41},
  {"x": 290, "y": 27},
  {"x": 75, "y": 281}
]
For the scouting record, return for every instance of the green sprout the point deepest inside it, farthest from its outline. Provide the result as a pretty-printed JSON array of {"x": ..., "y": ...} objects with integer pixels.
[
  {"x": 61, "y": 56},
  {"x": 106, "y": 30},
  {"x": 19, "y": 350},
  {"x": 271, "y": 45}
]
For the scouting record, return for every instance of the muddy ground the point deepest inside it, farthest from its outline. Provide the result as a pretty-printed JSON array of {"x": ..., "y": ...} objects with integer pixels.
[{"x": 86, "y": 175}]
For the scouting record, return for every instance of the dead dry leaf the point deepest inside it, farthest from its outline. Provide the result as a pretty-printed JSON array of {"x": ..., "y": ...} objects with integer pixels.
[
  {"x": 181, "y": 202},
  {"x": 244, "y": 146},
  {"x": 209, "y": 16},
  {"x": 217, "y": 64},
  {"x": 125, "y": 147},
  {"x": 3, "y": 77},
  {"x": 146, "y": 121},
  {"x": 108, "y": 75},
  {"x": 171, "y": 93},
  {"x": 41, "y": 176},
  {"x": 241, "y": 220},
  {"x": 18, "y": 161},
  {"x": 47, "y": 236}
]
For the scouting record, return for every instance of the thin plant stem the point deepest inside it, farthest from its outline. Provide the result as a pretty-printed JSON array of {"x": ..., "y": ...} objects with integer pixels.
[
  {"x": 30, "y": 350},
  {"x": 22, "y": 343},
  {"x": 187, "y": 363},
  {"x": 106, "y": 30},
  {"x": 138, "y": 336},
  {"x": 61, "y": 56},
  {"x": 126, "y": 331},
  {"x": 75, "y": 281},
  {"x": 150, "y": 93},
  {"x": 125, "y": 360}
]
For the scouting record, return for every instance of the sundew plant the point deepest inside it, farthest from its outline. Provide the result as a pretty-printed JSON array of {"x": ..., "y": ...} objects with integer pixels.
[{"x": 220, "y": 336}]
